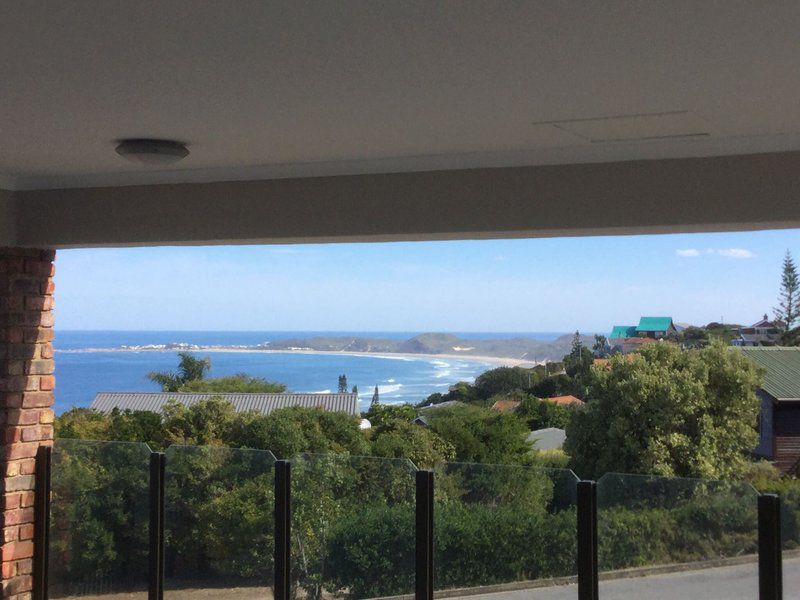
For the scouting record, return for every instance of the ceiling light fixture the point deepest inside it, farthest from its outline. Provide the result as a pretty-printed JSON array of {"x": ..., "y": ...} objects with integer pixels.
[{"x": 152, "y": 152}]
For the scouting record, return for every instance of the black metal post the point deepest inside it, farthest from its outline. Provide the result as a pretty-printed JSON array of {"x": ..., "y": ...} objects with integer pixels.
[
  {"x": 588, "y": 588},
  {"x": 283, "y": 529},
  {"x": 158, "y": 463},
  {"x": 770, "y": 575},
  {"x": 41, "y": 522},
  {"x": 424, "y": 544}
]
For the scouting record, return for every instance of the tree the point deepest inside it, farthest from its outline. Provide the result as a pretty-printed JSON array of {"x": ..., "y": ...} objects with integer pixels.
[
  {"x": 503, "y": 380},
  {"x": 240, "y": 383},
  {"x": 376, "y": 400},
  {"x": 539, "y": 414},
  {"x": 578, "y": 364},
  {"x": 207, "y": 422},
  {"x": 788, "y": 309},
  {"x": 577, "y": 344},
  {"x": 380, "y": 414},
  {"x": 691, "y": 337},
  {"x": 342, "y": 384},
  {"x": 190, "y": 368},
  {"x": 400, "y": 438},
  {"x": 482, "y": 435},
  {"x": 355, "y": 390},
  {"x": 600, "y": 348},
  {"x": 668, "y": 411},
  {"x": 554, "y": 385},
  {"x": 288, "y": 432}
]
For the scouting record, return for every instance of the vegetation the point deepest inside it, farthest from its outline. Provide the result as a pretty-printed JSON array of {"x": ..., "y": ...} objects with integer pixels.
[
  {"x": 237, "y": 384},
  {"x": 504, "y": 511},
  {"x": 191, "y": 378},
  {"x": 788, "y": 309},
  {"x": 671, "y": 412},
  {"x": 190, "y": 368}
]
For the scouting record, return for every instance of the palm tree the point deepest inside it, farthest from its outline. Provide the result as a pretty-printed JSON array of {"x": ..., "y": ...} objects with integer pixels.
[{"x": 190, "y": 368}]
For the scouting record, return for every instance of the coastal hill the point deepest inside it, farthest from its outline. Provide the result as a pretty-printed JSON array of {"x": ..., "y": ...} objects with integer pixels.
[{"x": 519, "y": 348}]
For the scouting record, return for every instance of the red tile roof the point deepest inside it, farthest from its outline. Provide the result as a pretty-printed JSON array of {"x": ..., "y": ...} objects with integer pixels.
[
  {"x": 565, "y": 400},
  {"x": 506, "y": 405}
]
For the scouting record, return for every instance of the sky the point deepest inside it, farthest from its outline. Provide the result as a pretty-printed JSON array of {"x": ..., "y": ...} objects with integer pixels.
[{"x": 560, "y": 284}]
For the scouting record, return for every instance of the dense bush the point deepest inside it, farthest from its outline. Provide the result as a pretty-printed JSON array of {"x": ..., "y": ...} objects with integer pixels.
[
  {"x": 353, "y": 521},
  {"x": 476, "y": 544}
]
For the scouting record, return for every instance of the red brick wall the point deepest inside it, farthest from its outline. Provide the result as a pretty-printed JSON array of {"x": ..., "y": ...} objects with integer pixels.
[{"x": 26, "y": 398}]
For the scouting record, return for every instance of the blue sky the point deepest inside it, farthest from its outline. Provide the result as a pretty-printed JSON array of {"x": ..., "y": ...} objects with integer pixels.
[{"x": 558, "y": 284}]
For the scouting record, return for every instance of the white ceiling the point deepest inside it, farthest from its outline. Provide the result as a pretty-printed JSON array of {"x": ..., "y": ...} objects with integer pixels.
[{"x": 273, "y": 89}]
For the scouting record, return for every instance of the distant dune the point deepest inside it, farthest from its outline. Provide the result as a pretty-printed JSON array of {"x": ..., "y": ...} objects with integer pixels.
[{"x": 520, "y": 349}]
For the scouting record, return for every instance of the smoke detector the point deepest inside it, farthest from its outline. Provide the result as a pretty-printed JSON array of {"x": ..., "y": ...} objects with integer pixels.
[{"x": 152, "y": 152}]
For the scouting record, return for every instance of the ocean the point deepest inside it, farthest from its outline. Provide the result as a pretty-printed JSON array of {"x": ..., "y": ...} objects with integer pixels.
[{"x": 87, "y": 363}]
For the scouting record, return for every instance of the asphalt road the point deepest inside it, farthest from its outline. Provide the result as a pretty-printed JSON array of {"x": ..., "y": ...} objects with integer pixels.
[
  {"x": 723, "y": 583},
  {"x": 739, "y": 582}
]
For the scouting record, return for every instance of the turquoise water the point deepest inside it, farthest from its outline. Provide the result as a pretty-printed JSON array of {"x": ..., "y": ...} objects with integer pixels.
[{"x": 83, "y": 369}]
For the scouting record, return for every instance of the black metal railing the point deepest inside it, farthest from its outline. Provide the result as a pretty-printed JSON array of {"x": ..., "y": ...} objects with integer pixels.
[{"x": 586, "y": 520}]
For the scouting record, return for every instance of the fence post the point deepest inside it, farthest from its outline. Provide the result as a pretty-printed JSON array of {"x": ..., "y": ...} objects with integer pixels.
[
  {"x": 587, "y": 541},
  {"x": 41, "y": 522},
  {"x": 770, "y": 575},
  {"x": 158, "y": 463},
  {"x": 283, "y": 529},
  {"x": 424, "y": 544}
]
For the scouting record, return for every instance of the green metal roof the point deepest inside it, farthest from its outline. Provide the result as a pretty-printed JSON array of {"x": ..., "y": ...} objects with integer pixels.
[
  {"x": 654, "y": 324},
  {"x": 782, "y": 366},
  {"x": 622, "y": 331}
]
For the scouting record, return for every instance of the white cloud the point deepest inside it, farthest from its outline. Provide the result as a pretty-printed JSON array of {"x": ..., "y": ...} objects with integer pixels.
[
  {"x": 688, "y": 253},
  {"x": 735, "y": 253},
  {"x": 726, "y": 252}
]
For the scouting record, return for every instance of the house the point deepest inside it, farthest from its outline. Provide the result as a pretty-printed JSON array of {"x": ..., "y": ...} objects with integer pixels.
[
  {"x": 565, "y": 400},
  {"x": 627, "y": 338},
  {"x": 263, "y": 403},
  {"x": 779, "y": 420},
  {"x": 446, "y": 404},
  {"x": 655, "y": 327},
  {"x": 506, "y": 406},
  {"x": 421, "y": 421},
  {"x": 621, "y": 332},
  {"x": 763, "y": 333},
  {"x": 550, "y": 438}
]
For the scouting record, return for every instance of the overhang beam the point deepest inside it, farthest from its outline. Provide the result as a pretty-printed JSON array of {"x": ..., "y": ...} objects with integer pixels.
[{"x": 743, "y": 192}]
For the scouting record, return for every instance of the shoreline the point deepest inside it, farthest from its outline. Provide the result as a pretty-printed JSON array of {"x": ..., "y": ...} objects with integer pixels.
[{"x": 497, "y": 361}]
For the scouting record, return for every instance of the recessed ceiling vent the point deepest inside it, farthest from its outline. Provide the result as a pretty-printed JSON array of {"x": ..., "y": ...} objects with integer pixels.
[
  {"x": 624, "y": 128},
  {"x": 152, "y": 152}
]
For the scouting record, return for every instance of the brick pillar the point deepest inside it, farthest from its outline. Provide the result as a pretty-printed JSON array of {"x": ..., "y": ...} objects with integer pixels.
[{"x": 26, "y": 399}]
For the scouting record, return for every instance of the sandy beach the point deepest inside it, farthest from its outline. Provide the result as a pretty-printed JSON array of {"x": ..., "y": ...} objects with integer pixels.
[{"x": 489, "y": 360}]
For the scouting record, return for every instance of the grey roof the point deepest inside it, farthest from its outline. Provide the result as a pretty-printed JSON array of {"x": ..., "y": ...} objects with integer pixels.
[
  {"x": 551, "y": 438},
  {"x": 760, "y": 337},
  {"x": 447, "y": 404},
  {"x": 263, "y": 403},
  {"x": 782, "y": 370}
]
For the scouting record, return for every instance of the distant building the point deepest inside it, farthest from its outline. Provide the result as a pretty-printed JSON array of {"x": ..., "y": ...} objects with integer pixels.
[
  {"x": 263, "y": 403},
  {"x": 506, "y": 406},
  {"x": 779, "y": 420},
  {"x": 763, "y": 333},
  {"x": 655, "y": 327},
  {"x": 551, "y": 438},
  {"x": 565, "y": 400},
  {"x": 621, "y": 332},
  {"x": 421, "y": 421},
  {"x": 447, "y": 404},
  {"x": 627, "y": 338}
]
